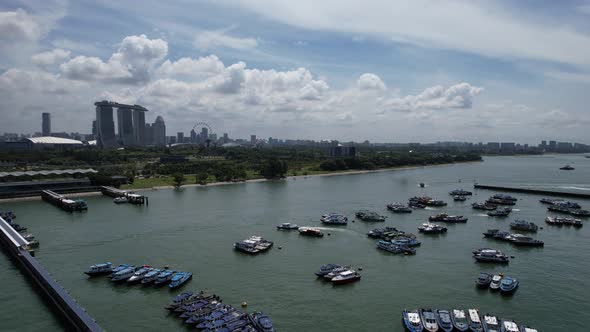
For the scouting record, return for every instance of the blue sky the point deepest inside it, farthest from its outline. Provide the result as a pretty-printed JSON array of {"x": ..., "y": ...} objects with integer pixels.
[{"x": 378, "y": 70}]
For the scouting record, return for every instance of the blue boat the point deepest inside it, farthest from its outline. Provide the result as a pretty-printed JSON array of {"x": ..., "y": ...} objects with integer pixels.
[
  {"x": 150, "y": 277},
  {"x": 179, "y": 300},
  {"x": 508, "y": 285},
  {"x": 221, "y": 321},
  {"x": 261, "y": 322},
  {"x": 406, "y": 241},
  {"x": 179, "y": 279},
  {"x": 217, "y": 313},
  {"x": 124, "y": 274},
  {"x": 164, "y": 277},
  {"x": 412, "y": 321},
  {"x": 118, "y": 268}
]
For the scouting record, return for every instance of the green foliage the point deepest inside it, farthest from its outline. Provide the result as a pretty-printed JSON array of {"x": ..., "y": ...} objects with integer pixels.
[
  {"x": 201, "y": 178},
  {"x": 274, "y": 168},
  {"x": 178, "y": 179}
]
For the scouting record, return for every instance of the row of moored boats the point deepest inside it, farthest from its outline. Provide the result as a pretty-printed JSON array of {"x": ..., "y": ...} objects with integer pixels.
[
  {"x": 209, "y": 314},
  {"x": 338, "y": 274},
  {"x": 145, "y": 275},
  {"x": 433, "y": 320},
  {"x": 497, "y": 282}
]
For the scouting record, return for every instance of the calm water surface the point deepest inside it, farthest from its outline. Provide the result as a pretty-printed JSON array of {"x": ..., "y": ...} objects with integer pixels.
[{"x": 193, "y": 229}]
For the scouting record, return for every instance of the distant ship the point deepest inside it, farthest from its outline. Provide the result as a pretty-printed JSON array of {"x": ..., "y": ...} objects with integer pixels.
[{"x": 567, "y": 168}]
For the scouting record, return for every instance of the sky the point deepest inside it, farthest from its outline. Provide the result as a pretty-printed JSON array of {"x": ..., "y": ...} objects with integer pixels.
[{"x": 378, "y": 70}]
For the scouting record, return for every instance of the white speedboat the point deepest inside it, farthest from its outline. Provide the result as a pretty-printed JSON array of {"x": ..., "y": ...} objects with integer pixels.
[
  {"x": 509, "y": 326},
  {"x": 492, "y": 324},
  {"x": 475, "y": 324},
  {"x": 496, "y": 282},
  {"x": 287, "y": 226},
  {"x": 139, "y": 274},
  {"x": 120, "y": 200}
]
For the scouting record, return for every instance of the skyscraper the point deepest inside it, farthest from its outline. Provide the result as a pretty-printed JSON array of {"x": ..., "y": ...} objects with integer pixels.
[
  {"x": 125, "y": 126},
  {"x": 159, "y": 129},
  {"x": 253, "y": 139},
  {"x": 149, "y": 134},
  {"x": 204, "y": 134},
  {"x": 105, "y": 126},
  {"x": 46, "y": 124},
  {"x": 180, "y": 137},
  {"x": 139, "y": 126}
]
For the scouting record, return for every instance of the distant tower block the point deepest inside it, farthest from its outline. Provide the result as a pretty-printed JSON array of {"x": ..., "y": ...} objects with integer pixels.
[{"x": 46, "y": 124}]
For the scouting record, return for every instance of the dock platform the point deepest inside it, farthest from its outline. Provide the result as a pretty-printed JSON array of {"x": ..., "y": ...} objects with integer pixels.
[
  {"x": 533, "y": 191},
  {"x": 63, "y": 202},
  {"x": 76, "y": 318},
  {"x": 132, "y": 197}
]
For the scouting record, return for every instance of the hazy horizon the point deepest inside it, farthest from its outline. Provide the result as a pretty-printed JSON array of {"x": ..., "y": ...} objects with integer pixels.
[{"x": 378, "y": 70}]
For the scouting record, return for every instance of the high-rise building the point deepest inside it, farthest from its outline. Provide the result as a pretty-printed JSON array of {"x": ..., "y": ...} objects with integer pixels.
[
  {"x": 94, "y": 132},
  {"x": 139, "y": 126},
  {"x": 180, "y": 137},
  {"x": 204, "y": 134},
  {"x": 125, "y": 127},
  {"x": 105, "y": 126},
  {"x": 149, "y": 134},
  {"x": 159, "y": 129},
  {"x": 225, "y": 138},
  {"x": 253, "y": 139},
  {"x": 46, "y": 124}
]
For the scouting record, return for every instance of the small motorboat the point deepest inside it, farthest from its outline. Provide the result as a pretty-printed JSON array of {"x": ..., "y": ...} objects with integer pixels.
[
  {"x": 179, "y": 279},
  {"x": 29, "y": 237},
  {"x": 460, "y": 321},
  {"x": 430, "y": 228},
  {"x": 460, "y": 192},
  {"x": 395, "y": 249},
  {"x": 475, "y": 324},
  {"x": 412, "y": 321},
  {"x": 335, "y": 272},
  {"x": 334, "y": 219},
  {"x": 484, "y": 280},
  {"x": 525, "y": 241},
  {"x": 370, "y": 216},
  {"x": 124, "y": 274},
  {"x": 491, "y": 323},
  {"x": 120, "y": 200},
  {"x": 428, "y": 320},
  {"x": 458, "y": 198},
  {"x": 287, "y": 226},
  {"x": 523, "y": 225},
  {"x": 218, "y": 323},
  {"x": 118, "y": 268},
  {"x": 33, "y": 243},
  {"x": 508, "y": 285},
  {"x": 509, "y": 326},
  {"x": 139, "y": 274},
  {"x": 310, "y": 231},
  {"x": 443, "y": 318},
  {"x": 524, "y": 328},
  {"x": 98, "y": 269},
  {"x": 496, "y": 282},
  {"x": 504, "y": 212},
  {"x": 484, "y": 206},
  {"x": 399, "y": 208},
  {"x": 406, "y": 241},
  {"x": 488, "y": 255},
  {"x": 567, "y": 168},
  {"x": 262, "y": 322},
  {"x": 179, "y": 300},
  {"x": 346, "y": 277}
]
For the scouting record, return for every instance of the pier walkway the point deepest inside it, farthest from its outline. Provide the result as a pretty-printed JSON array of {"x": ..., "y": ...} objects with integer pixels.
[
  {"x": 534, "y": 191},
  {"x": 62, "y": 201},
  {"x": 76, "y": 318},
  {"x": 132, "y": 198}
]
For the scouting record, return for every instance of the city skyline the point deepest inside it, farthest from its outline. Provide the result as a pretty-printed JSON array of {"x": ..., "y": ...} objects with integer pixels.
[{"x": 265, "y": 73}]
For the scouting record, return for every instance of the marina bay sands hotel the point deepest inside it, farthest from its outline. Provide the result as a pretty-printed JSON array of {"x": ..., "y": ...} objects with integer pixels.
[{"x": 131, "y": 126}]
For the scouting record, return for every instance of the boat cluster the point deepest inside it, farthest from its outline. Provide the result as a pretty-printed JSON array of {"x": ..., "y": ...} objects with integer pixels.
[
  {"x": 145, "y": 275},
  {"x": 209, "y": 314},
  {"x": 9, "y": 217},
  {"x": 366, "y": 215},
  {"x": 492, "y": 205},
  {"x": 304, "y": 230},
  {"x": 497, "y": 282},
  {"x": 515, "y": 239},
  {"x": 253, "y": 245},
  {"x": 460, "y": 195},
  {"x": 558, "y": 205},
  {"x": 433, "y": 320},
  {"x": 394, "y": 241},
  {"x": 338, "y": 274},
  {"x": 564, "y": 221}
]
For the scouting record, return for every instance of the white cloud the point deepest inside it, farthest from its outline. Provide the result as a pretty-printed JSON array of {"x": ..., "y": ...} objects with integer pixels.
[
  {"x": 55, "y": 56},
  {"x": 132, "y": 63},
  {"x": 437, "y": 97},
  {"x": 370, "y": 81},
  {"x": 18, "y": 26},
  {"x": 191, "y": 69},
  {"x": 482, "y": 28},
  {"x": 207, "y": 40}
]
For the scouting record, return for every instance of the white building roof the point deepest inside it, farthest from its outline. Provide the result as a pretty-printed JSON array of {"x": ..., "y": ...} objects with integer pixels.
[{"x": 53, "y": 140}]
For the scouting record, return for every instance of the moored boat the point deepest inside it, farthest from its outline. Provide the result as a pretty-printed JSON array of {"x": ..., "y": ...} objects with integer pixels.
[
  {"x": 262, "y": 322},
  {"x": 484, "y": 206},
  {"x": 496, "y": 282},
  {"x": 443, "y": 318},
  {"x": 164, "y": 277},
  {"x": 488, "y": 255},
  {"x": 567, "y": 168},
  {"x": 484, "y": 280},
  {"x": 460, "y": 321},
  {"x": 253, "y": 245},
  {"x": 120, "y": 200},
  {"x": 179, "y": 279},
  {"x": 346, "y": 277},
  {"x": 150, "y": 276},
  {"x": 508, "y": 326},
  {"x": 139, "y": 274},
  {"x": 406, "y": 241},
  {"x": 430, "y": 228},
  {"x": 326, "y": 268},
  {"x": 399, "y": 208},
  {"x": 124, "y": 274},
  {"x": 98, "y": 269},
  {"x": 491, "y": 323},
  {"x": 334, "y": 219},
  {"x": 524, "y": 328},
  {"x": 394, "y": 248},
  {"x": 508, "y": 285},
  {"x": 366, "y": 215},
  {"x": 459, "y": 198},
  {"x": 428, "y": 320},
  {"x": 460, "y": 192},
  {"x": 525, "y": 241},
  {"x": 523, "y": 225},
  {"x": 503, "y": 212},
  {"x": 412, "y": 321},
  {"x": 475, "y": 324}
]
